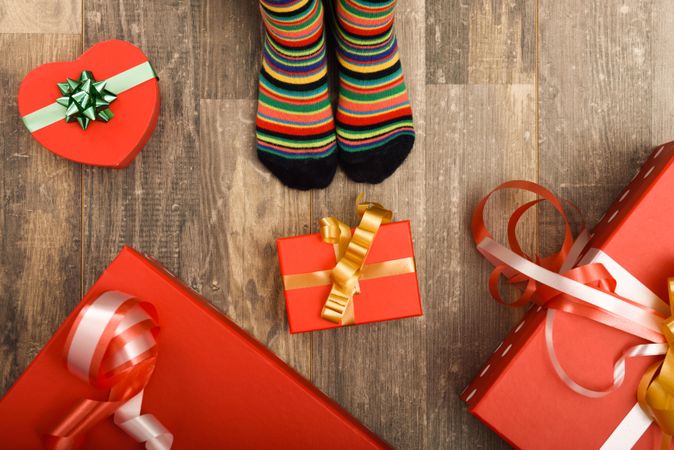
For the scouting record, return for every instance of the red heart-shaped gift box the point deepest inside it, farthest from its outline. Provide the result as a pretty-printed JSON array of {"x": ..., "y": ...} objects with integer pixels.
[{"x": 106, "y": 144}]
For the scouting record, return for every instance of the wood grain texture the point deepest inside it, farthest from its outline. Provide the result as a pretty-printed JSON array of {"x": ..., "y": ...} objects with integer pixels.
[
  {"x": 39, "y": 216},
  {"x": 229, "y": 50},
  {"x": 480, "y": 41},
  {"x": 230, "y": 248},
  {"x": 501, "y": 42},
  {"x": 148, "y": 204},
  {"x": 662, "y": 60},
  {"x": 40, "y": 16},
  {"x": 447, "y": 41},
  {"x": 578, "y": 91},
  {"x": 596, "y": 96},
  {"x": 497, "y": 123}
]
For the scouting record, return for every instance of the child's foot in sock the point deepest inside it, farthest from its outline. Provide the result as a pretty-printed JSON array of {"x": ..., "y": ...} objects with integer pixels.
[
  {"x": 374, "y": 118},
  {"x": 295, "y": 127}
]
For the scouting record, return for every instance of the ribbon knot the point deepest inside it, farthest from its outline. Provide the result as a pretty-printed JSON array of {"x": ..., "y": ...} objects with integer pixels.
[{"x": 351, "y": 250}]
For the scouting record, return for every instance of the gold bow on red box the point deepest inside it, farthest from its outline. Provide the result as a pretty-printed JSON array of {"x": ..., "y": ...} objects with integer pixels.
[{"x": 351, "y": 250}]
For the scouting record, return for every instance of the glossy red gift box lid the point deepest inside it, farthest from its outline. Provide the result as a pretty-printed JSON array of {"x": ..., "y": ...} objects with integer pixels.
[
  {"x": 385, "y": 298},
  {"x": 214, "y": 386},
  {"x": 517, "y": 392}
]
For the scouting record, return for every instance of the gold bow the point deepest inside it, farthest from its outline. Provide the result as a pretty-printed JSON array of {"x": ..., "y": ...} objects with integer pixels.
[
  {"x": 656, "y": 389},
  {"x": 351, "y": 251}
]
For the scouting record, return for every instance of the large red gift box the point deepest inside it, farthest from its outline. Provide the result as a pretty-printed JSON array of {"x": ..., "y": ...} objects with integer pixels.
[
  {"x": 380, "y": 298},
  {"x": 518, "y": 393},
  {"x": 213, "y": 387}
]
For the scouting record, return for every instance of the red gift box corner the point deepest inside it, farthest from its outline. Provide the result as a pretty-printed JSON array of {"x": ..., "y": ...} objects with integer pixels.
[
  {"x": 518, "y": 394},
  {"x": 214, "y": 386}
]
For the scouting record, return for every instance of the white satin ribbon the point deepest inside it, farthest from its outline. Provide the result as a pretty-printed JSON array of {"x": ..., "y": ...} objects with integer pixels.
[
  {"x": 627, "y": 286},
  {"x": 494, "y": 251},
  {"x": 86, "y": 340},
  {"x": 143, "y": 428},
  {"x": 629, "y": 431}
]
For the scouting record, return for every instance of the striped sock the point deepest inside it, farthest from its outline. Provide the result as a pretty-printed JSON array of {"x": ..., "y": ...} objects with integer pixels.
[
  {"x": 295, "y": 126},
  {"x": 374, "y": 118}
]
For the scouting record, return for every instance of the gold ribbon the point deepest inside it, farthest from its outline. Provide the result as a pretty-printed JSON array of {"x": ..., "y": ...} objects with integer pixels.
[
  {"x": 351, "y": 250},
  {"x": 351, "y": 253},
  {"x": 656, "y": 389}
]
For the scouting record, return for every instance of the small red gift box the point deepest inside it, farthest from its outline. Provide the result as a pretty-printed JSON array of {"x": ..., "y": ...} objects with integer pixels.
[
  {"x": 99, "y": 109},
  {"x": 519, "y": 394},
  {"x": 383, "y": 294},
  {"x": 213, "y": 386}
]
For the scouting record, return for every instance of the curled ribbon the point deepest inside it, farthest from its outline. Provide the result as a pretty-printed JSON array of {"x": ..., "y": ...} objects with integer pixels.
[
  {"x": 589, "y": 291},
  {"x": 351, "y": 251},
  {"x": 112, "y": 345}
]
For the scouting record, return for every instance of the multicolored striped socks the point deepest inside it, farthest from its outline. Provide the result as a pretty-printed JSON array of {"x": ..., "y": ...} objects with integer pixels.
[{"x": 296, "y": 134}]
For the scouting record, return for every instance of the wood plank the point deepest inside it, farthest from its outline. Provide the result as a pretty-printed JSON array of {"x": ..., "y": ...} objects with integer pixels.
[
  {"x": 40, "y": 16},
  {"x": 595, "y": 102},
  {"x": 378, "y": 371},
  {"x": 662, "y": 57},
  {"x": 242, "y": 210},
  {"x": 481, "y": 42},
  {"x": 40, "y": 202},
  {"x": 480, "y": 136},
  {"x": 148, "y": 204},
  {"x": 229, "y": 51},
  {"x": 502, "y": 42},
  {"x": 481, "y": 130},
  {"x": 447, "y": 41}
]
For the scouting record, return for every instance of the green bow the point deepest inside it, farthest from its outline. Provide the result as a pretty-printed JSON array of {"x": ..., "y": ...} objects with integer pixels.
[{"x": 86, "y": 99}]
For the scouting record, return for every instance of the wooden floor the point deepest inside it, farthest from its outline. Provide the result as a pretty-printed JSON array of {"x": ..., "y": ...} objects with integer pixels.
[{"x": 570, "y": 93}]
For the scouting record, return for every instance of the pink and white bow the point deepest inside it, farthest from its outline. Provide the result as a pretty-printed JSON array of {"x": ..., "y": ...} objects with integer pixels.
[{"x": 112, "y": 345}]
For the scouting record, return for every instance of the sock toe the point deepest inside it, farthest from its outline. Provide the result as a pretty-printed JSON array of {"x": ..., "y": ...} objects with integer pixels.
[
  {"x": 302, "y": 174},
  {"x": 375, "y": 165}
]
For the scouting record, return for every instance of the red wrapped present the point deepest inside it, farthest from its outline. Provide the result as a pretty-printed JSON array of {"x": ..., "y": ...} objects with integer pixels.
[
  {"x": 345, "y": 277},
  {"x": 99, "y": 109},
  {"x": 585, "y": 367},
  {"x": 171, "y": 371}
]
